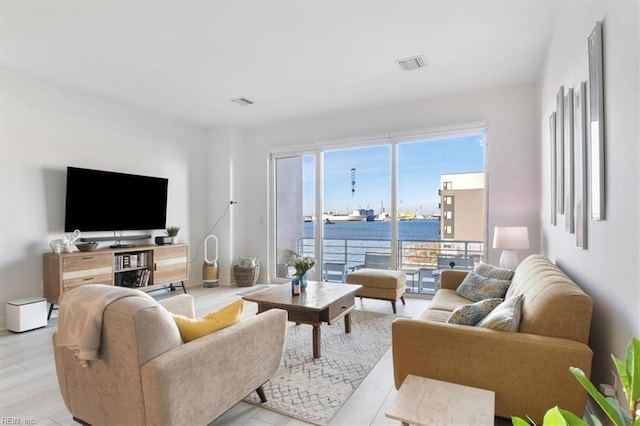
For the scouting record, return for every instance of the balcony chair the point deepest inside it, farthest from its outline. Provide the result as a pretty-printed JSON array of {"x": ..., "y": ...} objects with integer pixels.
[{"x": 374, "y": 261}]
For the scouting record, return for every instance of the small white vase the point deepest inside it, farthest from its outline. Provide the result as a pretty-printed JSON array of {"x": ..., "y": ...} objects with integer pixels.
[{"x": 174, "y": 240}]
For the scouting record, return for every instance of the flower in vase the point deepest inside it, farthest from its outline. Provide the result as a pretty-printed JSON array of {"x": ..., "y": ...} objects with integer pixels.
[{"x": 302, "y": 264}]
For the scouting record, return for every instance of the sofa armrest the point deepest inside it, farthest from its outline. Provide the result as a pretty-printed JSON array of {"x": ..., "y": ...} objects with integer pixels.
[
  {"x": 528, "y": 373},
  {"x": 196, "y": 382},
  {"x": 452, "y": 278},
  {"x": 182, "y": 304}
]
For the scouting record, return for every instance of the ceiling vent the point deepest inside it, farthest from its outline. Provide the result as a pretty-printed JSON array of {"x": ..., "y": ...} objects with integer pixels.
[
  {"x": 242, "y": 101},
  {"x": 413, "y": 63}
]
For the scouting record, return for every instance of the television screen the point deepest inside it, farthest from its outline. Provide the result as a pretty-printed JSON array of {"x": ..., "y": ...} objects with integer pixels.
[{"x": 107, "y": 201}]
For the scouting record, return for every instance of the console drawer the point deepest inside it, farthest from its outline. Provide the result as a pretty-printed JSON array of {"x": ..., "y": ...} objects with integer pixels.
[{"x": 93, "y": 279}]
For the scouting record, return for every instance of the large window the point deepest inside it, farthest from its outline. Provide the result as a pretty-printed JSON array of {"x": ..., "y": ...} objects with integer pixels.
[{"x": 393, "y": 200}]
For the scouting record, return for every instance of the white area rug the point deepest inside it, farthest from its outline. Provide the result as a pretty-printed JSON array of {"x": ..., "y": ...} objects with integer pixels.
[{"x": 313, "y": 390}]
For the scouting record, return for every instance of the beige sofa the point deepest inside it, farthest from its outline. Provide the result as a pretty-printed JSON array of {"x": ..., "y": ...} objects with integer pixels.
[
  {"x": 146, "y": 375},
  {"x": 527, "y": 370}
]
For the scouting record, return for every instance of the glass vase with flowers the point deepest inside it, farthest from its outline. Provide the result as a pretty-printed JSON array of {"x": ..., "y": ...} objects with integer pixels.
[{"x": 303, "y": 264}]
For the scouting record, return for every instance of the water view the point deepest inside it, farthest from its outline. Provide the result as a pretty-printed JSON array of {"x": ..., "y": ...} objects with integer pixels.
[{"x": 409, "y": 230}]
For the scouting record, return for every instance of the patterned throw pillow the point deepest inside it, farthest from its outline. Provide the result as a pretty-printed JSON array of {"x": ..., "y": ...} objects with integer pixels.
[
  {"x": 505, "y": 317},
  {"x": 471, "y": 314},
  {"x": 476, "y": 287},
  {"x": 491, "y": 271}
]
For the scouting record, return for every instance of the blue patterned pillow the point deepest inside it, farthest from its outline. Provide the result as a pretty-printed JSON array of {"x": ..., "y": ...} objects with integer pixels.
[
  {"x": 476, "y": 287},
  {"x": 491, "y": 271},
  {"x": 471, "y": 314},
  {"x": 505, "y": 317}
]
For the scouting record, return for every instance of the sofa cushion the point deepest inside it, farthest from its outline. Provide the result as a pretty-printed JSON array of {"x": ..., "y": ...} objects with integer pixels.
[
  {"x": 474, "y": 312},
  {"x": 447, "y": 300},
  {"x": 491, "y": 271},
  {"x": 476, "y": 287},
  {"x": 435, "y": 315},
  {"x": 191, "y": 329},
  {"x": 505, "y": 317}
]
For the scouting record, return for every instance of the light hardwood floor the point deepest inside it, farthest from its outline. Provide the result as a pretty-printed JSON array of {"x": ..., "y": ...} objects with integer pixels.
[{"x": 29, "y": 388}]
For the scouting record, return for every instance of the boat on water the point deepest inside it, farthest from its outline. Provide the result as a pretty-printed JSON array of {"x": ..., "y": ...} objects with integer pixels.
[
  {"x": 327, "y": 221},
  {"x": 354, "y": 216}
]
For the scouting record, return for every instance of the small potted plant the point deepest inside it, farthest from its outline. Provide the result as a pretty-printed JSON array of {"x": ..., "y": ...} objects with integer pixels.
[{"x": 172, "y": 232}]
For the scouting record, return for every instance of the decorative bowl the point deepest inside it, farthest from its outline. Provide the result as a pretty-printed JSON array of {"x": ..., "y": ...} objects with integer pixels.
[{"x": 90, "y": 246}]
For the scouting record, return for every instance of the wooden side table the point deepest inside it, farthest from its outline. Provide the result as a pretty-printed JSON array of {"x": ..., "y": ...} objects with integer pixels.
[{"x": 422, "y": 401}]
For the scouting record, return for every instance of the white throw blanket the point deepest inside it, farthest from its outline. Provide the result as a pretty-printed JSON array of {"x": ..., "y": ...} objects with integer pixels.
[{"x": 80, "y": 317}]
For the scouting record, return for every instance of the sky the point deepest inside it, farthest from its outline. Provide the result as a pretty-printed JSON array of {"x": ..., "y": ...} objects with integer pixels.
[{"x": 420, "y": 165}]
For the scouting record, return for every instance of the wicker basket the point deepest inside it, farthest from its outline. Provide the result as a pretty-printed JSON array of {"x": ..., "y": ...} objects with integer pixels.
[{"x": 246, "y": 276}]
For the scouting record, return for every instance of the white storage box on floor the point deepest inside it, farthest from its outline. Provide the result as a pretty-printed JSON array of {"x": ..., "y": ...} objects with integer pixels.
[{"x": 26, "y": 314}]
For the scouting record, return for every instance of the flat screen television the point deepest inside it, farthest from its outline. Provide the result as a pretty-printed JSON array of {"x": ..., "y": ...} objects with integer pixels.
[{"x": 100, "y": 200}]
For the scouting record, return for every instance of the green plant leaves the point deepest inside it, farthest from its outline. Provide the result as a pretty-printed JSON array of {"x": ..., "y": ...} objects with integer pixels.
[
  {"x": 559, "y": 417},
  {"x": 517, "y": 421},
  {"x": 608, "y": 405},
  {"x": 629, "y": 373}
]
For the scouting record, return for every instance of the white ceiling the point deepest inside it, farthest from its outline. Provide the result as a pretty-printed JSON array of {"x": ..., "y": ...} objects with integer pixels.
[{"x": 188, "y": 59}]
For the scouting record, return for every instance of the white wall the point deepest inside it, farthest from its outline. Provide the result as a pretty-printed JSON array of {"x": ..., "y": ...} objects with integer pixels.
[
  {"x": 44, "y": 129},
  {"x": 224, "y": 170},
  {"x": 512, "y": 117},
  {"x": 608, "y": 270}
]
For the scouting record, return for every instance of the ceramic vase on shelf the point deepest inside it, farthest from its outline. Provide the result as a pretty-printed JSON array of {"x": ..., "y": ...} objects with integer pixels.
[{"x": 303, "y": 281}]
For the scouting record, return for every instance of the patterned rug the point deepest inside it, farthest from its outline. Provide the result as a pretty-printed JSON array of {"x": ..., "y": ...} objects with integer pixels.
[{"x": 313, "y": 390}]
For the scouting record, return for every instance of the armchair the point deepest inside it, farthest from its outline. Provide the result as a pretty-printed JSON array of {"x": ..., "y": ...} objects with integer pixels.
[{"x": 146, "y": 375}]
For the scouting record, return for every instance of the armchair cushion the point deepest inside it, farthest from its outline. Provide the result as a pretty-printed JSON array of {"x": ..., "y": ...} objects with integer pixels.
[
  {"x": 476, "y": 287},
  {"x": 191, "y": 329},
  {"x": 472, "y": 313}
]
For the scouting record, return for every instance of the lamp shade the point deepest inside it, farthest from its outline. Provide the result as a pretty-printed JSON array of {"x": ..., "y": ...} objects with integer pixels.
[{"x": 511, "y": 237}]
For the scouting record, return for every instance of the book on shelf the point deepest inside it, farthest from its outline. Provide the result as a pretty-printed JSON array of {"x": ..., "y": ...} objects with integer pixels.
[{"x": 142, "y": 279}]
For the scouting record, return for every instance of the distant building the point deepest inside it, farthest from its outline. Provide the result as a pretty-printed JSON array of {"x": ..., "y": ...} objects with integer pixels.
[{"x": 462, "y": 206}]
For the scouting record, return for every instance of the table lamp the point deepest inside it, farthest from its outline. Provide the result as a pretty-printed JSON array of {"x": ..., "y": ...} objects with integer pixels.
[{"x": 510, "y": 239}]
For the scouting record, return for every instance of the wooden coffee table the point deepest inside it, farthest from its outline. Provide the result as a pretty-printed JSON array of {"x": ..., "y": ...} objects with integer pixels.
[{"x": 320, "y": 302}]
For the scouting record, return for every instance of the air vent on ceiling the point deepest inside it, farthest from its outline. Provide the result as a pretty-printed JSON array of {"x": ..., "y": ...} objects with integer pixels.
[
  {"x": 413, "y": 63},
  {"x": 242, "y": 101}
]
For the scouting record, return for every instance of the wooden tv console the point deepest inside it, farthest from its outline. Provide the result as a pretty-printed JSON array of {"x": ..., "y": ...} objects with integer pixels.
[{"x": 146, "y": 268}]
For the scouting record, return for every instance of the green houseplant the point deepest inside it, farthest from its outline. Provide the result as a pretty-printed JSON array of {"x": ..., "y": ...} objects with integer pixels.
[
  {"x": 172, "y": 232},
  {"x": 629, "y": 374}
]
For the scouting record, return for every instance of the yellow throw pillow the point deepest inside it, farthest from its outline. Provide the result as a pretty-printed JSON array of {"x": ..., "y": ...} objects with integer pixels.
[{"x": 193, "y": 328}]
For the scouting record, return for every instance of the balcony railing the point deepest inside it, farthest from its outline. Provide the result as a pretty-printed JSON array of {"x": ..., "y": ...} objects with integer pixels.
[{"x": 422, "y": 260}]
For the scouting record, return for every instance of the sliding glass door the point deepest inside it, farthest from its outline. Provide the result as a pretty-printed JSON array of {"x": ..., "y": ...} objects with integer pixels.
[
  {"x": 410, "y": 206},
  {"x": 356, "y": 223},
  {"x": 442, "y": 207},
  {"x": 294, "y": 210}
]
